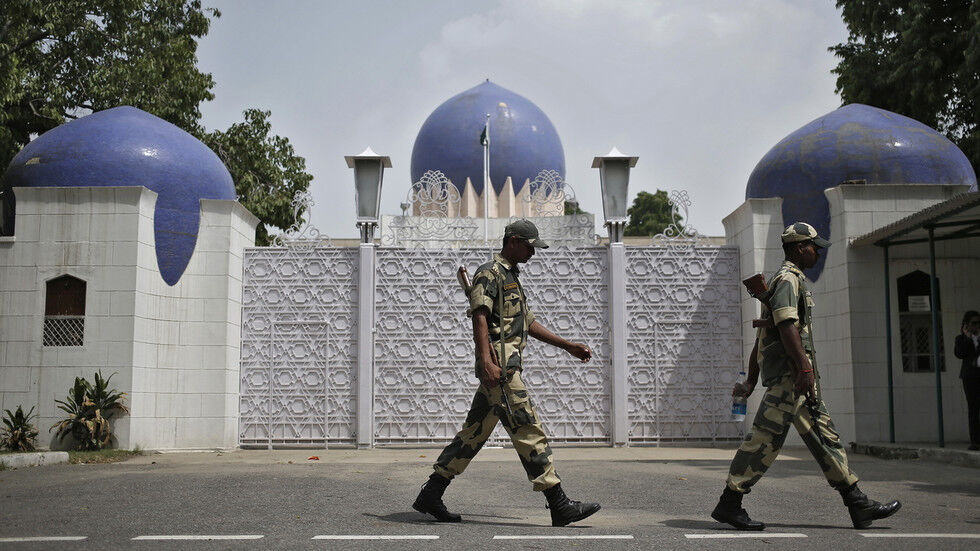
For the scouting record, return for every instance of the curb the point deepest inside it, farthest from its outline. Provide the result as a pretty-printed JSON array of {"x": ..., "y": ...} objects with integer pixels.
[
  {"x": 32, "y": 459},
  {"x": 962, "y": 458}
]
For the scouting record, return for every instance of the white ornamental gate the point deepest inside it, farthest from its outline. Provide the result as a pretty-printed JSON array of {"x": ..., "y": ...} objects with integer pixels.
[
  {"x": 299, "y": 344},
  {"x": 684, "y": 344},
  {"x": 299, "y": 308},
  {"x": 424, "y": 350}
]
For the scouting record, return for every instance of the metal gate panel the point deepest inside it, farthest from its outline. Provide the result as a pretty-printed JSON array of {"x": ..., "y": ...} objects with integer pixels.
[
  {"x": 424, "y": 345},
  {"x": 298, "y": 346},
  {"x": 568, "y": 292},
  {"x": 683, "y": 344}
]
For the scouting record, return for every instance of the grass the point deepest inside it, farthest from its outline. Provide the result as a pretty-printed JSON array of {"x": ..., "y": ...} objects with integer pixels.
[{"x": 102, "y": 456}]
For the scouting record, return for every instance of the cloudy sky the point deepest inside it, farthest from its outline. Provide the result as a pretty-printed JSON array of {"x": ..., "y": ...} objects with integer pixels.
[{"x": 698, "y": 89}]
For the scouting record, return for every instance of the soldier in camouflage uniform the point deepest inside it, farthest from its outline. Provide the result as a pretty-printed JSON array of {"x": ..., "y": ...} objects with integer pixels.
[
  {"x": 785, "y": 354},
  {"x": 498, "y": 307}
]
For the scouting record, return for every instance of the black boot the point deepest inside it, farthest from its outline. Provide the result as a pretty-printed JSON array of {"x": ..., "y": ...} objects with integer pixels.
[
  {"x": 566, "y": 511},
  {"x": 430, "y": 499},
  {"x": 864, "y": 510},
  {"x": 729, "y": 510}
]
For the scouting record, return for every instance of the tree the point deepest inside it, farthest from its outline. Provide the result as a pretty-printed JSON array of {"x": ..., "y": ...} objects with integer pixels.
[
  {"x": 650, "y": 214},
  {"x": 919, "y": 58},
  {"x": 267, "y": 173},
  {"x": 62, "y": 59}
]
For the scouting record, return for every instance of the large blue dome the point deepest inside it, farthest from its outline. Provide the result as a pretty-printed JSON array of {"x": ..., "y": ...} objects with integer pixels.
[
  {"x": 523, "y": 142},
  {"x": 125, "y": 146},
  {"x": 854, "y": 142}
]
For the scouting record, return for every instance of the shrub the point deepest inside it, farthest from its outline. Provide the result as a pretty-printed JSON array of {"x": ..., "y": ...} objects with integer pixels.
[
  {"x": 89, "y": 408},
  {"x": 19, "y": 433}
]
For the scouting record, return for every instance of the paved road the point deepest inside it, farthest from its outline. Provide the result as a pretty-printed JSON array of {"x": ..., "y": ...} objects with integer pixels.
[{"x": 651, "y": 498}]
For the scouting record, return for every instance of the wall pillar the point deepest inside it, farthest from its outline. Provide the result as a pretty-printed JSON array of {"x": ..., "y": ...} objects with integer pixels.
[
  {"x": 365, "y": 345},
  {"x": 617, "y": 339}
]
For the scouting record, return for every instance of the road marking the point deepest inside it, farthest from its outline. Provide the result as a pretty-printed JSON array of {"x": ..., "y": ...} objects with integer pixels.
[
  {"x": 596, "y": 537},
  {"x": 43, "y": 538},
  {"x": 376, "y": 537},
  {"x": 746, "y": 535},
  {"x": 969, "y": 536},
  {"x": 203, "y": 537}
]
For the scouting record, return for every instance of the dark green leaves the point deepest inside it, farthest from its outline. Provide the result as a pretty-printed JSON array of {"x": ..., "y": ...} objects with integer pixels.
[
  {"x": 919, "y": 58},
  {"x": 649, "y": 215}
]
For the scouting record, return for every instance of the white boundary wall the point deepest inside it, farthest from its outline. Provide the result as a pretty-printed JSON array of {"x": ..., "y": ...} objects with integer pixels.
[{"x": 175, "y": 350}]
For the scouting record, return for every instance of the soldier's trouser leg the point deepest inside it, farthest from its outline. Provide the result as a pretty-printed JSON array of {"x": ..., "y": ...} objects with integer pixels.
[
  {"x": 527, "y": 435},
  {"x": 524, "y": 429},
  {"x": 781, "y": 407},
  {"x": 478, "y": 426},
  {"x": 825, "y": 447},
  {"x": 766, "y": 438}
]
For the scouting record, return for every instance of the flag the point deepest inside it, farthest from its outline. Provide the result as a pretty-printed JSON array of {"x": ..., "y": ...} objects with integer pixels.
[{"x": 484, "y": 139}]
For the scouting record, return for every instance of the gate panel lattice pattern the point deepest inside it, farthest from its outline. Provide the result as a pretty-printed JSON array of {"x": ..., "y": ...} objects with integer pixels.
[
  {"x": 299, "y": 314},
  {"x": 424, "y": 344},
  {"x": 299, "y": 349},
  {"x": 683, "y": 343}
]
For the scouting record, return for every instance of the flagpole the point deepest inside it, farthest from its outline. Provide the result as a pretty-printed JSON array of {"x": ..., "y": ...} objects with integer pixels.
[{"x": 486, "y": 182}]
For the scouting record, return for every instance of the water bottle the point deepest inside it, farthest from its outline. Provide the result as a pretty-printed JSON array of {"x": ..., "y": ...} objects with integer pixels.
[{"x": 738, "y": 403}]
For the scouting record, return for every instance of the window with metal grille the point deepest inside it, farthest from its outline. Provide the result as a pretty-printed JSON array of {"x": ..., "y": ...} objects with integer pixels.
[
  {"x": 64, "y": 312},
  {"x": 915, "y": 323}
]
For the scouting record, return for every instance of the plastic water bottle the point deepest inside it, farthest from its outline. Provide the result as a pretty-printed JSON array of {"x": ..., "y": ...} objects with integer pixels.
[{"x": 738, "y": 403}]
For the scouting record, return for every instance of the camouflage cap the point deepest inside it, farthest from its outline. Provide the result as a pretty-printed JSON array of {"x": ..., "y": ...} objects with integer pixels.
[
  {"x": 801, "y": 231},
  {"x": 525, "y": 229}
]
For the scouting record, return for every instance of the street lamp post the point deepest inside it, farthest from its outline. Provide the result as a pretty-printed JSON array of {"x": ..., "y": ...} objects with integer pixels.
[
  {"x": 368, "y": 174},
  {"x": 614, "y": 176}
]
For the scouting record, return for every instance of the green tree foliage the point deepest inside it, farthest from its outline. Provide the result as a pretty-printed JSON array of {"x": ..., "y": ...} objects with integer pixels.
[
  {"x": 61, "y": 59},
  {"x": 650, "y": 214},
  {"x": 573, "y": 209},
  {"x": 919, "y": 58},
  {"x": 266, "y": 171}
]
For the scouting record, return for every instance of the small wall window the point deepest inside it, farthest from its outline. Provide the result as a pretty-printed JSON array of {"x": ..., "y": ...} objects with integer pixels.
[
  {"x": 915, "y": 323},
  {"x": 64, "y": 312}
]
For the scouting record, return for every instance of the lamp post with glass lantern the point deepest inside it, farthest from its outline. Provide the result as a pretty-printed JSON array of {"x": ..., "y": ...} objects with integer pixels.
[
  {"x": 368, "y": 174},
  {"x": 614, "y": 176}
]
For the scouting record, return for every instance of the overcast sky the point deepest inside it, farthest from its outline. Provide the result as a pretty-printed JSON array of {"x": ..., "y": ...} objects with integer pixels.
[{"x": 698, "y": 89}]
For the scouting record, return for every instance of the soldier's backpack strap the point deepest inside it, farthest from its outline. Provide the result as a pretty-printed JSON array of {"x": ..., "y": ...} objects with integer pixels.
[{"x": 500, "y": 315}]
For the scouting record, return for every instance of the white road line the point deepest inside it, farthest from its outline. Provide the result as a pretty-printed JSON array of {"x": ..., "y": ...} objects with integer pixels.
[
  {"x": 375, "y": 537},
  {"x": 595, "y": 537},
  {"x": 967, "y": 536},
  {"x": 202, "y": 537},
  {"x": 759, "y": 535},
  {"x": 43, "y": 538}
]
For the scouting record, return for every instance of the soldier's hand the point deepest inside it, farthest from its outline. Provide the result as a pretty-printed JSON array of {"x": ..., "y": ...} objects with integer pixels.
[
  {"x": 490, "y": 373},
  {"x": 805, "y": 383},
  {"x": 580, "y": 351},
  {"x": 743, "y": 389}
]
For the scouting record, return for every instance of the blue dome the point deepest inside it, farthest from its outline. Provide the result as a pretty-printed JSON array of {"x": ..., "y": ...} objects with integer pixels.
[
  {"x": 523, "y": 142},
  {"x": 855, "y": 142},
  {"x": 125, "y": 146}
]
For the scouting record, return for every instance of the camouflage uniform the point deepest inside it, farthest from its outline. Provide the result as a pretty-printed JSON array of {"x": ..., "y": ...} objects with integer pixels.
[
  {"x": 780, "y": 407},
  {"x": 508, "y": 321}
]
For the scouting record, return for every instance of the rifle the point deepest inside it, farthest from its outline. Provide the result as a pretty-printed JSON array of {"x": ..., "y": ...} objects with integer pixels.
[
  {"x": 759, "y": 290},
  {"x": 464, "y": 282}
]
